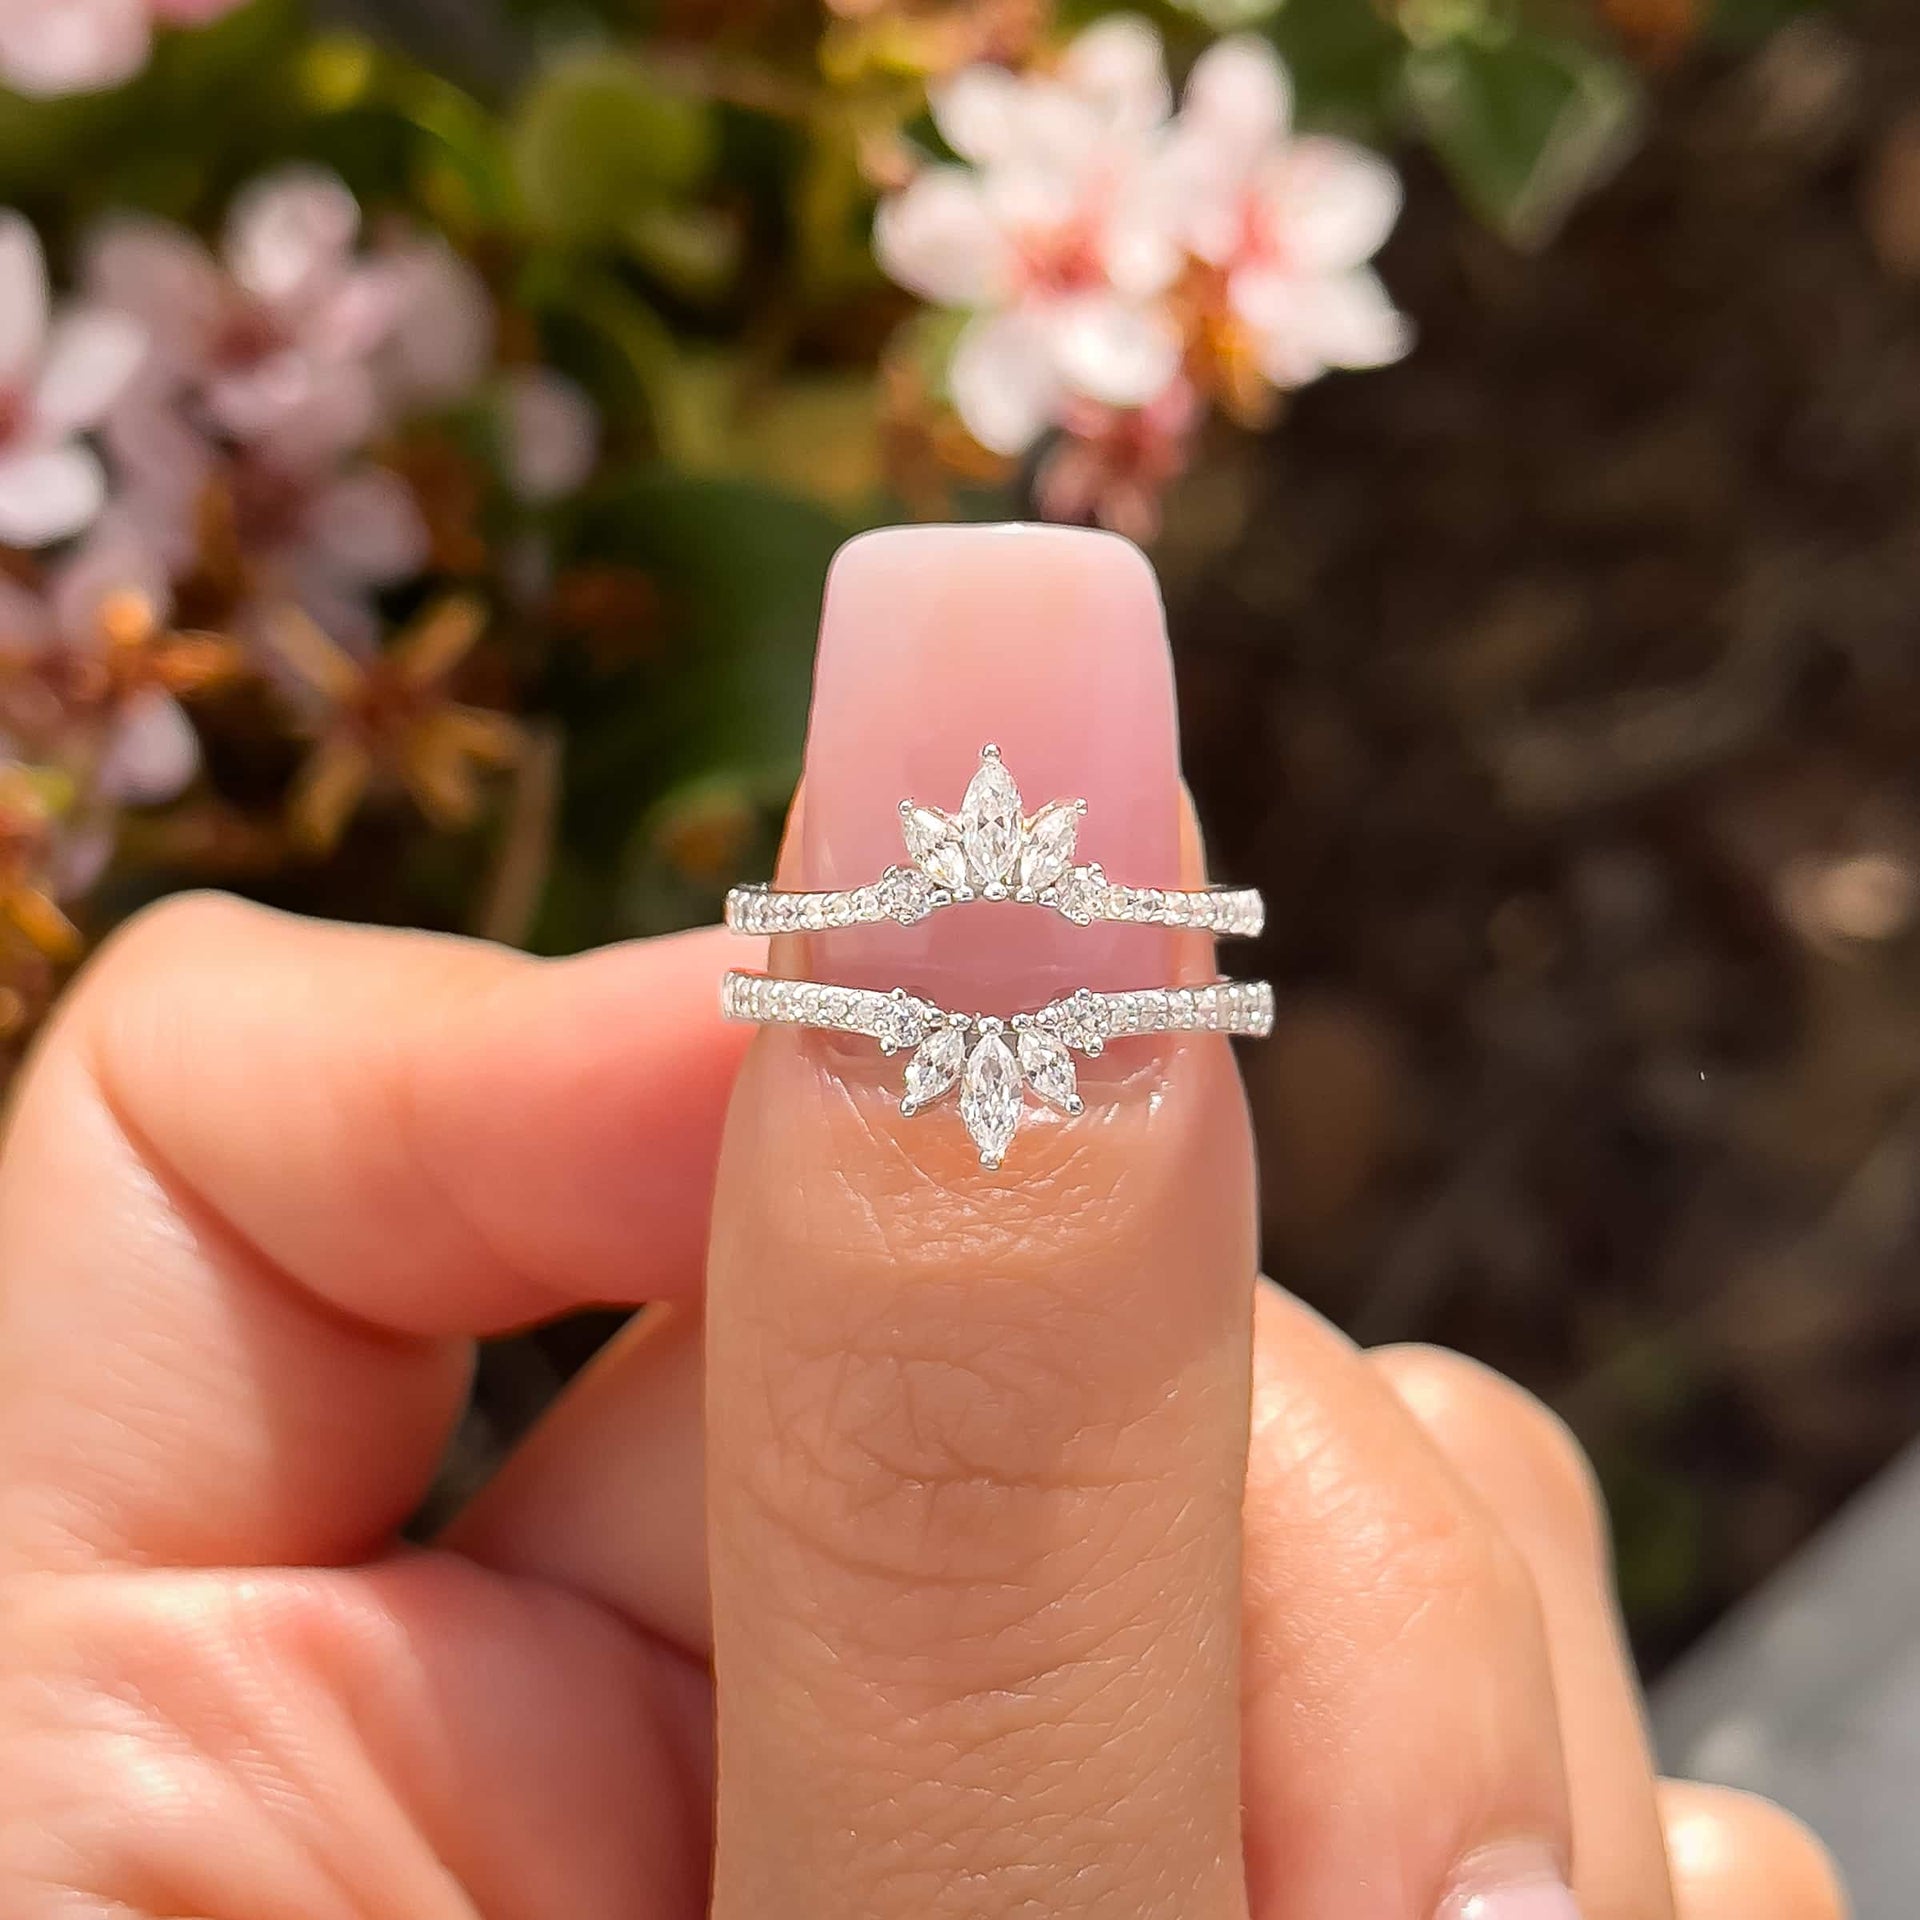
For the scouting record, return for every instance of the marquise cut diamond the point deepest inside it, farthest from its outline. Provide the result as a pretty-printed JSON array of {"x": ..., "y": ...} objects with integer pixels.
[
  {"x": 990, "y": 824},
  {"x": 933, "y": 839},
  {"x": 1046, "y": 844},
  {"x": 1049, "y": 1069},
  {"x": 990, "y": 1097},
  {"x": 934, "y": 1067},
  {"x": 990, "y": 846}
]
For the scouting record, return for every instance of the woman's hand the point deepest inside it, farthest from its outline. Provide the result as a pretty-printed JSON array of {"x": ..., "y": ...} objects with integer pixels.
[{"x": 1003, "y": 1623}]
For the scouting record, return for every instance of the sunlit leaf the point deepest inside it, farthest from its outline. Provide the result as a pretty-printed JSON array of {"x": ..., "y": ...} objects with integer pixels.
[
  {"x": 1525, "y": 126},
  {"x": 598, "y": 136}
]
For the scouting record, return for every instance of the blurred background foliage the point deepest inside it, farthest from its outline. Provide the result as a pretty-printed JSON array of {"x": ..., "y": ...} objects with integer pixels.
[{"x": 1561, "y": 680}]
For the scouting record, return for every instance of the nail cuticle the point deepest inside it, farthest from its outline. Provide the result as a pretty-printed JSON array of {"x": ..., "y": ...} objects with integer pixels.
[{"x": 1513, "y": 1880}]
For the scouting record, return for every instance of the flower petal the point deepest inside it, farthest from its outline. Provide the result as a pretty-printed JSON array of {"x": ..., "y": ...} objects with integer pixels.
[
  {"x": 1140, "y": 246},
  {"x": 152, "y": 753},
  {"x": 1239, "y": 96},
  {"x": 53, "y": 47},
  {"x": 1120, "y": 67},
  {"x": 1304, "y": 326},
  {"x": 366, "y": 527},
  {"x": 939, "y": 238},
  {"x": 1112, "y": 351},
  {"x": 290, "y": 230},
  {"x": 48, "y": 493},
  {"x": 92, "y": 355},
  {"x": 552, "y": 434},
  {"x": 441, "y": 342},
  {"x": 1332, "y": 204},
  {"x": 23, "y": 298},
  {"x": 118, "y": 556},
  {"x": 1003, "y": 381},
  {"x": 979, "y": 112},
  {"x": 161, "y": 275}
]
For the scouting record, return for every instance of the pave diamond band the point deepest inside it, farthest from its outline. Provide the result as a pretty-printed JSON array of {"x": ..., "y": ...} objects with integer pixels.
[
  {"x": 993, "y": 1061},
  {"x": 993, "y": 850},
  {"x": 1085, "y": 895}
]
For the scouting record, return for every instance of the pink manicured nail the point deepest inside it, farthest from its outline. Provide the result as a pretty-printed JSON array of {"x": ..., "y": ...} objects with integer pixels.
[
  {"x": 1050, "y": 643},
  {"x": 1512, "y": 1885}
]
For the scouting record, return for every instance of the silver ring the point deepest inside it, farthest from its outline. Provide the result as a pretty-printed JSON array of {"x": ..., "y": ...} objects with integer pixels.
[
  {"x": 992, "y": 1059},
  {"x": 992, "y": 850}
]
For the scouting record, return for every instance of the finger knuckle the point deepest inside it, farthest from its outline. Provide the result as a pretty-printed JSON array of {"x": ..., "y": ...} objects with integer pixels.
[{"x": 1472, "y": 1411}]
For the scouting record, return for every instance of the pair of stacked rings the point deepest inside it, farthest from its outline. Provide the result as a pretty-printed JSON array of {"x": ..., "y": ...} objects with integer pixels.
[{"x": 992, "y": 849}]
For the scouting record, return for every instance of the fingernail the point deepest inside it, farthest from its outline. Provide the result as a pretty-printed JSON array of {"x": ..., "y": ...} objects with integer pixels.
[
  {"x": 1049, "y": 643},
  {"x": 1511, "y": 1883}
]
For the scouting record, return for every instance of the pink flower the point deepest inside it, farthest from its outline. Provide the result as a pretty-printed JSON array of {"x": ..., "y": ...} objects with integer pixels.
[
  {"x": 323, "y": 534},
  {"x": 54, "y": 47},
  {"x": 274, "y": 343},
  {"x": 58, "y": 376},
  {"x": 1288, "y": 221},
  {"x": 1112, "y": 464},
  {"x": 324, "y": 539},
  {"x": 442, "y": 340},
  {"x": 146, "y": 751},
  {"x": 1055, "y": 236},
  {"x": 550, "y": 434}
]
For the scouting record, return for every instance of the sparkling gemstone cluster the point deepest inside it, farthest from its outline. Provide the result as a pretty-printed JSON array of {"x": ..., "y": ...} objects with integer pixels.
[
  {"x": 992, "y": 849},
  {"x": 993, "y": 1063}
]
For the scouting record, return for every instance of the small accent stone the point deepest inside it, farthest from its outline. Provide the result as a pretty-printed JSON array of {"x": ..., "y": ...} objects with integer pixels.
[
  {"x": 905, "y": 894},
  {"x": 1047, "y": 844},
  {"x": 898, "y": 1024},
  {"x": 933, "y": 839},
  {"x": 1079, "y": 893},
  {"x": 935, "y": 1066},
  {"x": 1049, "y": 1069}
]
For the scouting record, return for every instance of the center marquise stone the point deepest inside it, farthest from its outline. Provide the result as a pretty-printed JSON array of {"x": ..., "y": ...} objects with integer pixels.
[
  {"x": 990, "y": 825},
  {"x": 991, "y": 1096}
]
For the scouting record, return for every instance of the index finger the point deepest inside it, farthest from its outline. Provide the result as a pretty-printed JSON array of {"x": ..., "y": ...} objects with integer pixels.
[{"x": 265, "y": 1180}]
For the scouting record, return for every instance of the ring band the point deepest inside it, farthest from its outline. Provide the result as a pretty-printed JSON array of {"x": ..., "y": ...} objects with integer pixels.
[
  {"x": 991, "y": 850},
  {"x": 1005, "y": 1055}
]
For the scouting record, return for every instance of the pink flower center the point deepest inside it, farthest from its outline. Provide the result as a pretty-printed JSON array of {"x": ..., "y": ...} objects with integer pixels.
[
  {"x": 1062, "y": 259},
  {"x": 16, "y": 409},
  {"x": 248, "y": 334},
  {"x": 269, "y": 505}
]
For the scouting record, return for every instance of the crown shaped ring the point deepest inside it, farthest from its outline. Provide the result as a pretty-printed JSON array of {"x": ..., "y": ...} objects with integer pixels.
[{"x": 993, "y": 849}]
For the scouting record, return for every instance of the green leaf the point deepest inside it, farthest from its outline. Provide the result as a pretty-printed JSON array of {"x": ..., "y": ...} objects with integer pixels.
[
  {"x": 600, "y": 136},
  {"x": 741, "y": 568},
  {"x": 1345, "y": 57},
  {"x": 1524, "y": 126}
]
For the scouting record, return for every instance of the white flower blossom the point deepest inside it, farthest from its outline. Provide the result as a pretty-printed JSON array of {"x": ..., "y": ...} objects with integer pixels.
[
  {"x": 1290, "y": 220},
  {"x": 54, "y": 47},
  {"x": 59, "y": 374},
  {"x": 1103, "y": 247},
  {"x": 276, "y": 341},
  {"x": 1052, "y": 234}
]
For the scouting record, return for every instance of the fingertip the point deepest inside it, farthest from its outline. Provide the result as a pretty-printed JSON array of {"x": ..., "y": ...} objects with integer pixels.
[{"x": 1737, "y": 1856}]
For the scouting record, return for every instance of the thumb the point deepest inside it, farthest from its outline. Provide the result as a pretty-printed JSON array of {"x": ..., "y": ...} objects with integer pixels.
[{"x": 977, "y": 1439}]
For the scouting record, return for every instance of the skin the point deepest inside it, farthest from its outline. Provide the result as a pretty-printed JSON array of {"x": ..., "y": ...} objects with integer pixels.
[{"x": 1022, "y": 1552}]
